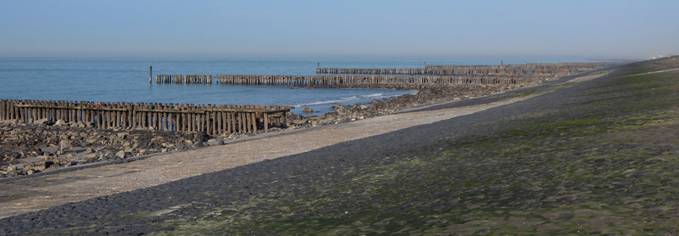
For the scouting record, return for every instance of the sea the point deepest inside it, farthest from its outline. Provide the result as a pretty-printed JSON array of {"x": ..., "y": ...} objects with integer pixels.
[{"x": 126, "y": 80}]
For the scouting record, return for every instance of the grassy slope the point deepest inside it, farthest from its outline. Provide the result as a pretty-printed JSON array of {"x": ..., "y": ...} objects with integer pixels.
[{"x": 609, "y": 166}]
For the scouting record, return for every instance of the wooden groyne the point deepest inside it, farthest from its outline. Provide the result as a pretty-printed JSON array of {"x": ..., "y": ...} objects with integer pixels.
[
  {"x": 499, "y": 70},
  {"x": 400, "y": 78},
  {"x": 184, "y": 79},
  {"x": 210, "y": 119},
  {"x": 371, "y": 81}
]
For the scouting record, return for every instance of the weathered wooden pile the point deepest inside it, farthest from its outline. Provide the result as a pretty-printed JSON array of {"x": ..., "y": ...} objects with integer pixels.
[
  {"x": 184, "y": 79},
  {"x": 211, "y": 119}
]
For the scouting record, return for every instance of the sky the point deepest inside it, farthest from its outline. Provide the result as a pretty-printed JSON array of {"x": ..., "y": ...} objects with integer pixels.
[{"x": 619, "y": 29}]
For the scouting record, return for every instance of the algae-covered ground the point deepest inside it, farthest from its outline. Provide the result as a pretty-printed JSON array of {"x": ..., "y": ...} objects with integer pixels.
[
  {"x": 596, "y": 157},
  {"x": 606, "y": 164}
]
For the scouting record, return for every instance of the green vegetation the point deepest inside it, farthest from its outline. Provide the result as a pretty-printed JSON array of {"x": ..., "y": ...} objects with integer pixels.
[{"x": 608, "y": 164}]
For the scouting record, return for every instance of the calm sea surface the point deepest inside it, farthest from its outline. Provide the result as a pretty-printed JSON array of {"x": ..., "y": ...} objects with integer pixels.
[{"x": 127, "y": 81}]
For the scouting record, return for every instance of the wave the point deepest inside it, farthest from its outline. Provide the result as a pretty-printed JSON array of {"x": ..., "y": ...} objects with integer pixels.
[{"x": 343, "y": 100}]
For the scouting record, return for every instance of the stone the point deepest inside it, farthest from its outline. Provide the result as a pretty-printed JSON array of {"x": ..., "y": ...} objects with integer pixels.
[
  {"x": 17, "y": 169},
  {"x": 215, "y": 141},
  {"x": 121, "y": 154},
  {"x": 48, "y": 164},
  {"x": 122, "y": 135},
  {"x": 79, "y": 149},
  {"x": 42, "y": 121},
  {"x": 60, "y": 123},
  {"x": 50, "y": 150},
  {"x": 64, "y": 144},
  {"x": 308, "y": 110},
  {"x": 89, "y": 157}
]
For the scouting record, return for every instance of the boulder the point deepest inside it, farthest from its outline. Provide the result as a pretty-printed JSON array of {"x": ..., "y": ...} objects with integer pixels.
[
  {"x": 60, "y": 123},
  {"x": 49, "y": 150},
  {"x": 44, "y": 121},
  {"x": 17, "y": 169},
  {"x": 64, "y": 144},
  {"x": 121, "y": 154},
  {"x": 308, "y": 110},
  {"x": 122, "y": 135},
  {"x": 215, "y": 141}
]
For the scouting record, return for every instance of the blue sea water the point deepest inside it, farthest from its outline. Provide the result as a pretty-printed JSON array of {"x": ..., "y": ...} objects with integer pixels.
[{"x": 126, "y": 80}]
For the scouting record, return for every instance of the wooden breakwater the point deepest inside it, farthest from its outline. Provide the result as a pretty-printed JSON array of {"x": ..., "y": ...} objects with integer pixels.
[
  {"x": 468, "y": 70},
  {"x": 210, "y": 119},
  {"x": 183, "y": 79},
  {"x": 372, "y": 81},
  {"x": 401, "y": 78}
]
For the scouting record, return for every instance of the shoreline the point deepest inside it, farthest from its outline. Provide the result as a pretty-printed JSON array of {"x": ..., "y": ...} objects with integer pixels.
[
  {"x": 72, "y": 186},
  {"x": 422, "y": 99}
]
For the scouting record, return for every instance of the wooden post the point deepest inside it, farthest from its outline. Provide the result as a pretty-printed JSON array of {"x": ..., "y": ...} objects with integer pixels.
[
  {"x": 150, "y": 75},
  {"x": 266, "y": 122}
]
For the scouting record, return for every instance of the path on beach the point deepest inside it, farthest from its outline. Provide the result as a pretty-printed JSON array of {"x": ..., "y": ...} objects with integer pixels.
[{"x": 32, "y": 194}]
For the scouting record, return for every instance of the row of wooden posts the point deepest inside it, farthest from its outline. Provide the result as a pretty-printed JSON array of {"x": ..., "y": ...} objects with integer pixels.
[
  {"x": 367, "y": 81},
  {"x": 371, "y": 81},
  {"x": 184, "y": 79},
  {"x": 210, "y": 119},
  {"x": 462, "y": 70}
]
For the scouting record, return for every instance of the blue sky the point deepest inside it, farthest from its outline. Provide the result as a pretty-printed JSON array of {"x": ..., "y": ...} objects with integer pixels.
[{"x": 390, "y": 28}]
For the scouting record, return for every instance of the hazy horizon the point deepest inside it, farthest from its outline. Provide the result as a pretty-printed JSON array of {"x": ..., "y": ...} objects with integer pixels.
[{"x": 312, "y": 30}]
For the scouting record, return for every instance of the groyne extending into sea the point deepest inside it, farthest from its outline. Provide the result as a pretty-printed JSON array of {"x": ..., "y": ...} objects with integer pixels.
[
  {"x": 469, "y": 70},
  {"x": 399, "y": 78},
  {"x": 209, "y": 119}
]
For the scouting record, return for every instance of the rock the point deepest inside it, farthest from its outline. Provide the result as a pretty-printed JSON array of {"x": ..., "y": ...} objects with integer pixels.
[
  {"x": 308, "y": 110},
  {"x": 79, "y": 149},
  {"x": 42, "y": 121},
  {"x": 121, "y": 154},
  {"x": 60, "y": 123},
  {"x": 32, "y": 160},
  {"x": 167, "y": 145},
  {"x": 91, "y": 140},
  {"x": 215, "y": 141},
  {"x": 122, "y": 135},
  {"x": 50, "y": 150},
  {"x": 17, "y": 169},
  {"x": 298, "y": 122},
  {"x": 48, "y": 164},
  {"x": 64, "y": 144},
  {"x": 88, "y": 157}
]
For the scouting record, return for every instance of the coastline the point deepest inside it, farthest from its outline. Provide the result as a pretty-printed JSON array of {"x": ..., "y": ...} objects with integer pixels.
[{"x": 70, "y": 186}]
